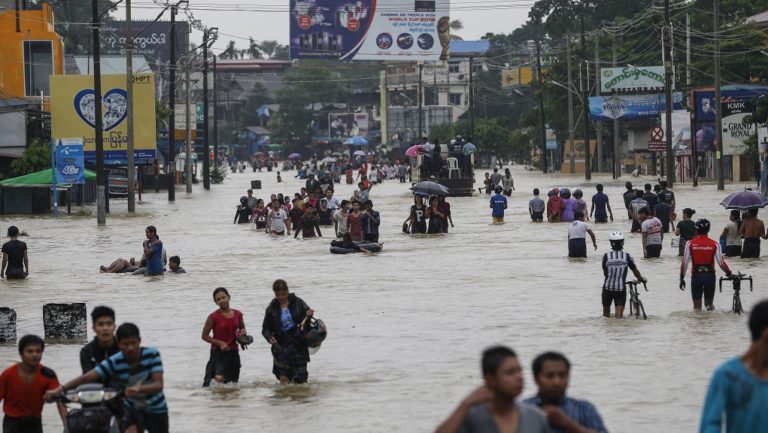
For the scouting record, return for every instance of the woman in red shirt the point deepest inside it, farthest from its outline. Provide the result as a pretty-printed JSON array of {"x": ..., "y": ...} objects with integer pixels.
[
  {"x": 355, "y": 222},
  {"x": 227, "y": 325}
]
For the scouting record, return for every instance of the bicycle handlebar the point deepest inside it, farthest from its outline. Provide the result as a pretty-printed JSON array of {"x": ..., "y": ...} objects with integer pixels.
[
  {"x": 637, "y": 283},
  {"x": 736, "y": 278}
]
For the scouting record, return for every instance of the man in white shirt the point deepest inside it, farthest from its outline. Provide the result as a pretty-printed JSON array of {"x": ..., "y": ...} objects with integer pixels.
[
  {"x": 333, "y": 202},
  {"x": 653, "y": 233},
  {"x": 577, "y": 236}
]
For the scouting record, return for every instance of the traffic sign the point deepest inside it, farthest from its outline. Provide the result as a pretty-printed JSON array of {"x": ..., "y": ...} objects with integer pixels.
[{"x": 657, "y": 143}]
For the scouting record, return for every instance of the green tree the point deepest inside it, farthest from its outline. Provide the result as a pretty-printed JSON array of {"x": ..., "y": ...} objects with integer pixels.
[
  {"x": 258, "y": 97},
  {"x": 36, "y": 157},
  {"x": 72, "y": 20},
  {"x": 254, "y": 49}
]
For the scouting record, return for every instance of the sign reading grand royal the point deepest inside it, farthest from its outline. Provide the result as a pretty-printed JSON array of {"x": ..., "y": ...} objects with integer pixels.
[
  {"x": 72, "y": 114},
  {"x": 369, "y": 29},
  {"x": 630, "y": 79}
]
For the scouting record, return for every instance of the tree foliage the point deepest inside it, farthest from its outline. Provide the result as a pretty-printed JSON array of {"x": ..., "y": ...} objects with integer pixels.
[{"x": 36, "y": 157}]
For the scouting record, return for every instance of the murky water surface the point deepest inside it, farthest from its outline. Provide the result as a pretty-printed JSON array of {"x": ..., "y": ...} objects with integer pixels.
[{"x": 406, "y": 326}]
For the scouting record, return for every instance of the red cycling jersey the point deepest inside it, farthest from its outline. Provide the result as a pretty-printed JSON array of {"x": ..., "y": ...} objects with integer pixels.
[{"x": 703, "y": 251}]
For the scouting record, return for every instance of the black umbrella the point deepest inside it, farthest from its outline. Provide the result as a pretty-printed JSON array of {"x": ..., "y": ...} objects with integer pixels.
[
  {"x": 744, "y": 200},
  {"x": 429, "y": 188}
]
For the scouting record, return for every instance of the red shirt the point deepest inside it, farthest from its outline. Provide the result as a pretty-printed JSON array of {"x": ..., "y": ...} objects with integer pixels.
[
  {"x": 355, "y": 226},
  {"x": 703, "y": 251},
  {"x": 25, "y": 399},
  {"x": 225, "y": 329}
]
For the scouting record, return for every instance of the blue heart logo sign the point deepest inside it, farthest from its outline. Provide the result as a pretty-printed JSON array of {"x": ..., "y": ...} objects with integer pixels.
[{"x": 114, "y": 107}]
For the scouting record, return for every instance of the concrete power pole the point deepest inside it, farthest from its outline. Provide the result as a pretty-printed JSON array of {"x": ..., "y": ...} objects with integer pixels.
[
  {"x": 572, "y": 145},
  {"x": 598, "y": 125},
  {"x": 585, "y": 103},
  {"x": 617, "y": 157},
  {"x": 101, "y": 189},
  {"x": 718, "y": 103},
  {"x": 668, "y": 93},
  {"x": 129, "y": 89}
]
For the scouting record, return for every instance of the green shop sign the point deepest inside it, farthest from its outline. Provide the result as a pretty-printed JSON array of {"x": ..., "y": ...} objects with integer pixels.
[{"x": 630, "y": 79}]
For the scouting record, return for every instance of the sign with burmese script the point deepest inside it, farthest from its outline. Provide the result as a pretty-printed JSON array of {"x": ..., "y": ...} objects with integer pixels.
[
  {"x": 73, "y": 115},
  {"x": 630, "y": 79}
]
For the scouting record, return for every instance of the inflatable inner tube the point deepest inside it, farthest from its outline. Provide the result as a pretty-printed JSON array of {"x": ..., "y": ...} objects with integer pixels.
[{"x": 371, "y": 246}]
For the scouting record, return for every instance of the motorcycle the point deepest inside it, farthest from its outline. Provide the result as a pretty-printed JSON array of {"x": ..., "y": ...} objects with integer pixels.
[{"x": 98, "y": 409}]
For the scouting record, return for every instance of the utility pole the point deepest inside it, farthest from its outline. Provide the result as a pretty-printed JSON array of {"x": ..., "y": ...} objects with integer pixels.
[
  {"x": 718, "y": 102},
  {"x": 206, "y": 148},
  {"x": 668, "y": 93},
  {"x": 101, "y": 210},
  {"x": 693, "y": 146},
  {"x": 188, "y": 159},
  {"x": 572, "y": 145},
  {"x": 540, "y": 80},
  {"x": 471, "y": 99},
  {"x": 421, "y": 102},
  {"x": 129, "y": 90},
  {"x": 215, "y": 115},
  {"x": 585, "y": 103},
  {"x": 171, "y": 163},
  {"x": 384, "y": 103},
  {"x": 598, "y": 125},
  {"x": 617, "y": 157}
]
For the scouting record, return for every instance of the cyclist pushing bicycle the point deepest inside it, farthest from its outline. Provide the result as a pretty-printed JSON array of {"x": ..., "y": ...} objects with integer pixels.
[
  {"x": 702, "y": 252},
  {"x": 615, "y": 265}
]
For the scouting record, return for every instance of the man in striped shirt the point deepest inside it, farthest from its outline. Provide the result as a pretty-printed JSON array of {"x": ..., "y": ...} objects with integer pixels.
[
  {"x": 615, "y": 265},
  {"x": 551, "y": 371},
  {"x": 140, "y": 370}
]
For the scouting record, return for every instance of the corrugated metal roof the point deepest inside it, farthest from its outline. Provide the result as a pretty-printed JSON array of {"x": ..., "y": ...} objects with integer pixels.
[{"x": 761, "y": 18}]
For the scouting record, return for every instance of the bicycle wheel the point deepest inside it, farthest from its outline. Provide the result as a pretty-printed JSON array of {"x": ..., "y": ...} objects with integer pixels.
[
  {"x": 737, "y": 303},
  {"x": 640, "y": 306}
]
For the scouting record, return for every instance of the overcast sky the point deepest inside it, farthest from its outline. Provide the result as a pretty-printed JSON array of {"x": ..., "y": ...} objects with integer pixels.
[{"x": 478, "y": 17}]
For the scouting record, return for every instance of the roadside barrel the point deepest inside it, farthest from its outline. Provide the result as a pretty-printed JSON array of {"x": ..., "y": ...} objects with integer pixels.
[
  {"x": 65, "y": 321},
  {"x": 7, "y": 324}
]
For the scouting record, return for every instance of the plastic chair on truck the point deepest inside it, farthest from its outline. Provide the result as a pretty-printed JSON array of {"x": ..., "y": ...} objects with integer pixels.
[{"x": 453, "y": 165}]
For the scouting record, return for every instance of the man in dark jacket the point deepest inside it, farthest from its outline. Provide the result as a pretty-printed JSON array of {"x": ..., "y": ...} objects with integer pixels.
[{"x": 282, "y": 328}]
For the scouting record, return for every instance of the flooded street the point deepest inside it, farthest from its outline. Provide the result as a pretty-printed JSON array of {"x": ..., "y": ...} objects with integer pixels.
[{"x": 406, "y": 327}]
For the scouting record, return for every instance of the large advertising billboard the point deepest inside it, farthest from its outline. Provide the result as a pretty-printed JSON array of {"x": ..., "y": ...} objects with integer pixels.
[
  {"x": 72, "y": 115},
  {"x": 151, "y": 40},
  {"x": 369, "y": 29},
  {"x": 630, "y": 107}
]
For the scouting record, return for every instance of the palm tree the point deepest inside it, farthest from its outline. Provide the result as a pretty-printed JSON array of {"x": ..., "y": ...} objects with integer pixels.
[
  {"x": 253, "y": 49},
  {"x": 456, "y": 25},
  {"x": 269, "y": 48},
  {"x": 230, "y": 52}
]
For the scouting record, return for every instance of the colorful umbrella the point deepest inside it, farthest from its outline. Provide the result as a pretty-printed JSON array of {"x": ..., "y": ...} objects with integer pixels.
[
  {"x": 294, "y": 156},
  {"x": 359, "y": 153},
  {"x": 744, "y": 200},
  {"x": 414, "y": 150},
  {"x": 356, "y": 141}
]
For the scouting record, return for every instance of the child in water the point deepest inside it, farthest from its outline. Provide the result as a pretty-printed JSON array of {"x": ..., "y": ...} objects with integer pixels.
[{"x": 279, "y": 179}]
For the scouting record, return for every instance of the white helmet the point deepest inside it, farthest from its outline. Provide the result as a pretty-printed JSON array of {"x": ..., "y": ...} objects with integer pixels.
[{"x": 616, "y": 236}]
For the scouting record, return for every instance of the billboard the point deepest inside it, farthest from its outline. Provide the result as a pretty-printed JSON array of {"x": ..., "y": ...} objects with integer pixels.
[
  {"x": 369, "y": 29},
  {"x": 630, "y": 79},
  {"x": 70, "y": 164},
  {"x": 629, "y": 107},
  {"x": 343, "y": 125},
  {"x": 151, "y": 40},
  {"x": 735, "y": 130},
  {"x": 72, "y": 114}
]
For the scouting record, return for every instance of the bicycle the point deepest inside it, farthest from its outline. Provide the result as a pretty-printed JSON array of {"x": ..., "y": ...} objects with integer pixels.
[
  {"x": 635, "y": 304},
  {"x": 736, "y": 279}
]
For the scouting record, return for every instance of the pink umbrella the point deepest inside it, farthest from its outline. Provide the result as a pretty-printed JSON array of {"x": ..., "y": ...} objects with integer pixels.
[{"x": 414, "y": 150}]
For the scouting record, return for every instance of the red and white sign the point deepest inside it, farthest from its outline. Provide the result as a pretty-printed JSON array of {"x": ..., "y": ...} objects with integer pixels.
[{"x": 657, "y": 143}]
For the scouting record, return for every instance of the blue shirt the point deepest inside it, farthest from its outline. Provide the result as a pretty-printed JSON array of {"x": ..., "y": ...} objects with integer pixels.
[
  {"x": 581, "y": 411},
  {"x": 371, "y": 221},
  {"x": 286, "y": 320},
  {"x": 498, "y": 204},
  {"x": 737, "y": 399},
  {"x": 155, "y": 260},
  {"x": 117, "y": 370},
  {"x": 599, "y": 200}
]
